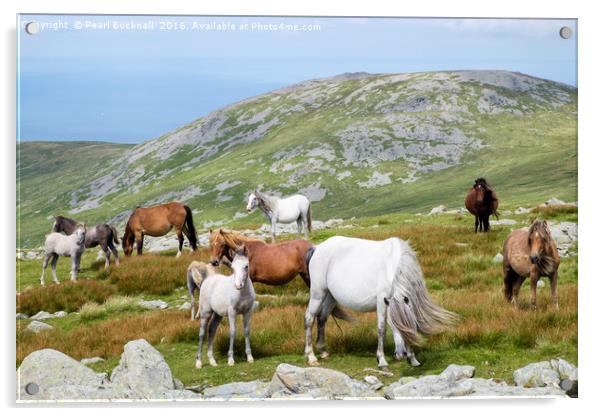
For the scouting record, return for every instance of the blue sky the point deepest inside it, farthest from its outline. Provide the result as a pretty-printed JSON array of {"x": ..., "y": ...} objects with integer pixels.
[{"x": 125, "y": 85}]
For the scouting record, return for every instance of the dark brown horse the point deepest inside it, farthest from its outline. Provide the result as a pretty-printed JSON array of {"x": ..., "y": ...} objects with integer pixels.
[
  {"x": 157, "y": 221},
  {"x": 272, "y": 264},
  {"x": 530, "y": 252},
  {"x": 481, "y": 201},
  {"x": 103, "y": 235}
]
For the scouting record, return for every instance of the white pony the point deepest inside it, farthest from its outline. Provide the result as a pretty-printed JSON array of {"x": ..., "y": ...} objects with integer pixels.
[
  {"x": 227, "y": 296},
  {"x": 365, "y": 275},
  {"x": 282, "y": 210},
  {"x": 58, "y": 244}
]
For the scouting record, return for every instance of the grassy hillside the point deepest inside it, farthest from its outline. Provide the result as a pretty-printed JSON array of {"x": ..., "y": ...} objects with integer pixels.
[
  {"x": 356, "y": 144},
  {"x": 46, "y": 171}
]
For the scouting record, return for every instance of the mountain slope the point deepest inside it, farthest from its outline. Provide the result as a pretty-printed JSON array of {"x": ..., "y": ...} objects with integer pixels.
[{"x": 356, "y": 144}]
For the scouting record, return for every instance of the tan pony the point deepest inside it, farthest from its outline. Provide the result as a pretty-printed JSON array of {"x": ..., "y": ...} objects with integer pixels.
[{"x": 530, "y": 252}]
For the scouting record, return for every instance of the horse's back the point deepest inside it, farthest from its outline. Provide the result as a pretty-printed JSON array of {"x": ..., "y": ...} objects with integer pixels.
[{"x": 355, "y": 270}]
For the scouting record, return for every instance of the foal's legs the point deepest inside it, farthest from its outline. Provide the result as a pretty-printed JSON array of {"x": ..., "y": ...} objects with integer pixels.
[
  {"x": 180, "y": 241},
  {"x": 232, "y": 322},
  {"x": 204, "y": 318},
  {"x": 75, "y": 260},
  {"x": 401, "y": 351},
  {"x": 44, "y": 266},
  {"x": 246, "y": 321},
  {"x": 55, "y": 258},
  {"x": 105, "y": 248},
  {"x": 315, "y": 303},
  {"x": 114, "y": 251},
  {"x": 215, "y": 320},
  {"x": 381, "y": 316},
  {"x": 553, "y": 283}
]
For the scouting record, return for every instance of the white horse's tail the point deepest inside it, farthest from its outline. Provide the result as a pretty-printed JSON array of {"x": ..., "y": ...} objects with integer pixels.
[{"x": 411, "y": 309}]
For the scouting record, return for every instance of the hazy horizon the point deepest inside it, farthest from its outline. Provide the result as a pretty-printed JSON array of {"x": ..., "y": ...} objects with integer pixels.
[{"x": 129, "y": 84}]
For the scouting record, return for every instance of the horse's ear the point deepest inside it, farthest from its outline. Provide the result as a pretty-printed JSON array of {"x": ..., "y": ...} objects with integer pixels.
[
  {"x": 210, "y": 231},
  {"x": 221, "y": 231}
]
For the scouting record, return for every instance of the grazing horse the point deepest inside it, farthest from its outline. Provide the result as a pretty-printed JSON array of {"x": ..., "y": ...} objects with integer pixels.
[
  {"x": 530, "y": 252},
  {"x": 365, "y": 275},
  {"x": 481, "y": 201},
  {"x": 226, "y": 296},
  {"x": 157, "y": 221},
  {"x": 283, "y": 210},
  {"x": 271, "y": 264},
  {"x": 104, "y": 235},
  {"x": 195, "y": 274},
  {"x": 58, "y": 244}
]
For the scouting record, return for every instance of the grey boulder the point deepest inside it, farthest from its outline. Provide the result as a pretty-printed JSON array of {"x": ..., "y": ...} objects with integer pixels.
[
  {"x": 37, "y": 326},
  {"x": 241, "y": 390},
  {"x": 539, "y": 374},
  {"x": 290, "y": 381}
]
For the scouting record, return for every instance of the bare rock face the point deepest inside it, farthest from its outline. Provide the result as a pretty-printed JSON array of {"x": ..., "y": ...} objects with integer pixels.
[{"x": 317, "y": 383}]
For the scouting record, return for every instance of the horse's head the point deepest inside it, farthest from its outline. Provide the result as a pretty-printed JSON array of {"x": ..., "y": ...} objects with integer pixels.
[
  {"x": 80, "y": 233},
  {"x": 252, "y": 201},
  {"x": 127, "y": 241},
  {"x": 482, "y": 188},
  {"x": 219, "y": 247},
  {"x": 539, "y": 238},
  {"x": 240, "y": 266}
]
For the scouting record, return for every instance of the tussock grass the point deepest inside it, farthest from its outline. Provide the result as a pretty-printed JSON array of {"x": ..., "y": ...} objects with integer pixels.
[
  {"x": 555, "y": 211},
  {"x": 153, "y": 273},
  {"x": 115, "y": 304},
  {"x": 68, "y": 296}
]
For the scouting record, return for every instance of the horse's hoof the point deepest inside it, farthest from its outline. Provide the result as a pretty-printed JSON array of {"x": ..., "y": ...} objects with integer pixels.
[
  {"x": 198, "y": 364},
  {"x": 230, "y": 362},
  {"x": 324, "y": 354},
  {"x": 383, "y": 368},
  {"x": 250, "y": 359},
  {"x": 398, "y": 356},
  {"x": 414, "y": 362},
  {"x": 212, "y": 363}
]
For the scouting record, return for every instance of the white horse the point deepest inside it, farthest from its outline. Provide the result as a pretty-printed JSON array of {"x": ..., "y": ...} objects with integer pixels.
[
  {"x": 283, "y": 210},
  {"x": 58, "y": 244},
  {"x": 365, "y": 275},
  {"x": 227, "y": 296}
]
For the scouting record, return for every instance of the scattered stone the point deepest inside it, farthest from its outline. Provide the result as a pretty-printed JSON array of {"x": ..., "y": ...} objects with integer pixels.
[
  {"x": 502, "y": 222},
  {"x": 555, "y": 201},
  {"x": 37, "y": 326},
  {"x": 244, "y": 390},
  {"x": 537, "y": 375},
  {"x": 185, "y": 306},
  {"x": 438, "y": 210},
  {"x": 92, "y": 360},
  {"x": 382, "y": 372},
  {"x": 498, "y": 258},
  {"x": 374, "y": 382},
  {"x": 22, "y": 316},
  {"x": 40, "y": 316},
  {"x": 521, "y": 210},
  {"x": 60, "y": 314},
  {"x": 153, "y": 304},
  {"x": 316, "y": 382},
  {"x": 457, "y": 381},
  {"x": 541, "y": 283}
]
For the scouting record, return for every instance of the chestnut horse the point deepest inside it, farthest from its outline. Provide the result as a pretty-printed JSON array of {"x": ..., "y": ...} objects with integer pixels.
[
  {"x": 157, "y": 221},
  {"x": 530, "y": 252},
  {"x": 481, "y": 201},
  {"x": 271, "y": 264}
]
